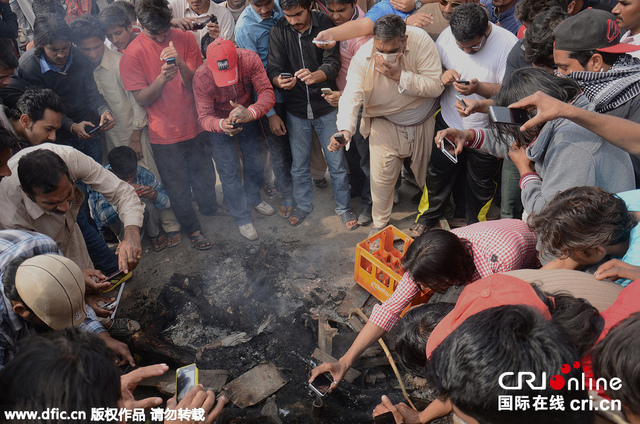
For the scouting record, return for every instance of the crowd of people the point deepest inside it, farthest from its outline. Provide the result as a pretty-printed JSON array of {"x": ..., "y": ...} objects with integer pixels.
[{"x": 116, "y": 117}]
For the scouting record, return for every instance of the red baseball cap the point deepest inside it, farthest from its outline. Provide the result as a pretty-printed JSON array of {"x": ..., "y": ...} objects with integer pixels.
[
  {"x": 489, "y": 292},
  {"x": 222, "y": 59}
]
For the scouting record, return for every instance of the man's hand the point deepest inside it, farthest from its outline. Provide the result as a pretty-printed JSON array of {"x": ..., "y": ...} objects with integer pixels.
[
  {"x": 449, "y": 76},
  {"x": 308, "y": 77},
  {"x": 334, "y": 145},
  {"x": 145, "y": 192},
  {"x": 107, "y": 120},
  {"x": 136, "y": 143},
  {"x": 333, "y": 98},
  {"x": 547, "y": 109},
  {"x": 214, "y": 30},
  {"x": 79, "y": 130},
  {"x": 615, "y": 269},
  {"x": 473, "y": 106},
  {"x": 467, "y": 89},
  {"x": 129, "y": 382},
  {"x": 518, "y": 156},
  {"x": 325, "y": 36},
  {"x": 388, "y": 69},
  {"x": 405, "y": 6},
  {"x": 91, "y": 278},
  {"x": 198, "y": 398},
  {"x": 284, "y": 83},
  {"x": 120, "y": 349},
  {"x": 239, "y": 114},
  {"x": 458, "y": 137},
  {"x": 387, "y": 406},
  {"x": 171, "y": 52},
  {"x": 337, "y": 370},
  {"x": 227, "y": 127},
  {"x": 421, "y": 20},
  {"x": 185, "y": 24},
  {"x": 130, "y": 250},
  {"x": 93, "y": 299},
  {"x": 276, "y": 125},
  {"x": 168, "y": 72},
  {"x": 410, "y": 415}
]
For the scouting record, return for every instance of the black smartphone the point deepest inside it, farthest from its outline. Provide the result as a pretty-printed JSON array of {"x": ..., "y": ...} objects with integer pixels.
[
  {"x": 236, "y": 125},
  {"x": 186, "y": 379},
  {"x": 339, "y": 138},
  {"x": 171, "y": 61},
  {"x": 386, "y": 418},
  {"x": 449, "y": 150},
  {"x": 286, "y": 75},
  {"x": 94, "y": 129},
  {"x": 509, "y": 116},
  {"x": 463, "y": 82},
  {"x": 321, "y": 384}
]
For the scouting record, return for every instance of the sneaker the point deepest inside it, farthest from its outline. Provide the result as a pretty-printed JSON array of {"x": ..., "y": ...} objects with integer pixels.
[
  {"x": 365, "y": 218},
  {"x": 265, "y": 209},
  {"x": 248, "y": 231}
]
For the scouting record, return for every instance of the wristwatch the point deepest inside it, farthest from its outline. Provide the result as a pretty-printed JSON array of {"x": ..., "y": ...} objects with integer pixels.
[{"x": 418, "y": 4}]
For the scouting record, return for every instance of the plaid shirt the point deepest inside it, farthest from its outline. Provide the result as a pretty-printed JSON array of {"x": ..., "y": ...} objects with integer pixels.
[
  {"x": 76, "y": 8},
  {"x": 26, "y": 244},
  {"x": 105, "y": 214},
  {"x": 498, "y": 246}
]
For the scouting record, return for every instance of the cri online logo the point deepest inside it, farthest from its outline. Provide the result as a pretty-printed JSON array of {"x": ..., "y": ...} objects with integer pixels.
[
  {"x": 557, "y": 381},
  {"x": 515, "y": 381}
]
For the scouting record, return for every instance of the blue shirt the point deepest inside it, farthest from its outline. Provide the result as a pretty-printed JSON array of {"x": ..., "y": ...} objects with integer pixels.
[
  {"x": 105, "y": 214},
  {"x": 45, "y": 66},
  {"x": 384, "y": 8},
  {"x": 506, "y": 19}
]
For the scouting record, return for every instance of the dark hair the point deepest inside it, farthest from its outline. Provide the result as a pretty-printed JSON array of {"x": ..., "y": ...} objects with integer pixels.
[
  {"x": 583, "y": 56},
  {"x": 617, "y": 356},
  {"x": 48, "y": 8},
  {"x": 123, "y": 160},
  {"x": 154, "y": 15},
  {"x": 522, "y": 83},
  {"x": 35, "y": 101},
  {"x": 289, "y": 4},
  {"x": 9, "y": 279},
  {"x": 415, "y": 327},
  {"x": 467, "y": 366},
  {"x": 469, "y": 21},
  {"x": 41, "y": 169},
  {"x": 48, "y": 29},
  {"x": 527, "y": 10},
  {"x": 538, "y": 40},
  {"x": 69, "y": 369},
  {"x": 351, "y": 2},
  {"x": 582, "y": 218},
  {"x": 128, "y": 8},
  {"x": 7, "y": 141},
  {"x": 438, "y": 259},
  {"x": 86, "y": 26},
  {"x": 114, "y": 16},
  {"x": 580, "y": 321},
  {"x": 8, "y": 58},
  {"x": 389, "y": 27}
]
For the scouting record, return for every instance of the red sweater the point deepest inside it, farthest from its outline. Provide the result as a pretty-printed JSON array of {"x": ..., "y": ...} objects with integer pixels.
[{"x": 212, "y": 102}]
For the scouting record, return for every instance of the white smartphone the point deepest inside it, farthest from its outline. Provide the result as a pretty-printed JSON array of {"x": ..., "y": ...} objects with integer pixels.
[
  {"x": 321, "y": 42},
  {"x": 326, "y": 91},
  {"x": 449, "y": 150},
  {"x": 462, "y": 102}
]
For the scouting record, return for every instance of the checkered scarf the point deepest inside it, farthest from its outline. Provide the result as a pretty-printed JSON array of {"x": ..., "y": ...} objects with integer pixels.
[{"x": 608, "y": 90}]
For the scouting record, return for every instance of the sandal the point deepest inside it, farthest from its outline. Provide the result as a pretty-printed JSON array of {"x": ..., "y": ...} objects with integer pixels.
[
  {"x": 200, "y": 242},
  {"x": 270, "y": 189},
  {"x": 284, "y": 211},
  {"x": 321, "y": 183},
  {"x": 297, "y": 216},
  {"x": 159, "y": 243},
  {"x": 417, "y": 229},
  {"x": 348, "y": 217},
  {"x": 174, "y": 238},
  {"x": 123, "y": 327}
]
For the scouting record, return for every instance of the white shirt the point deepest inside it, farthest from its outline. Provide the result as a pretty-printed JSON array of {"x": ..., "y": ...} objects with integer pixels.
[
  {"x": 487, "y": 65},
  {"x": 632, "y": 39},
  {"x": 181, "y": 9}
]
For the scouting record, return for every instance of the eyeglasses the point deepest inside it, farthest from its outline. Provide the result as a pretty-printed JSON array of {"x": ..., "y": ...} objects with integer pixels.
[
  {"x": 453, "y": 4},
  {"x": 475, "y": 48}
]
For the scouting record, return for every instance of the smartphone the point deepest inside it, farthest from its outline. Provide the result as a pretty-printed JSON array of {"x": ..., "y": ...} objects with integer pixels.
[
  {"x": 326, "y": 91},
  {"x": 171, "y": 61},
  {"x": 202, "y": 22},
  {"x": 509, "y": 116},
  {"x": 321, "y": 384},
  {"x": 386, "y": 418},
  {"x": 449, "y": 150},
  {"x": 116, "y": 302},
  {"x": 286, "y": 75},
  {"x": 462, "y": 102},
  {"x": 94, "y": 129},
  {"x": 186, "y": 379},
  {"x": 112, "y": 276},
  {"x": 236, "y": 125},
  {"x": 321, "y": 42},
  {"x": 339, "y": 138},
  {"x": 463, "y": 82}
]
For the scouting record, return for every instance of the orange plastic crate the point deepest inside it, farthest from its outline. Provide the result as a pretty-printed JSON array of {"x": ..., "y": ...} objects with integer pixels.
[{"x": 379, "y": 272}]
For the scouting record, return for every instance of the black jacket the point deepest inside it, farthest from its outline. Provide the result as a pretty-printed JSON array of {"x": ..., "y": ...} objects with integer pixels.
[{"x": 290, "y": 51}]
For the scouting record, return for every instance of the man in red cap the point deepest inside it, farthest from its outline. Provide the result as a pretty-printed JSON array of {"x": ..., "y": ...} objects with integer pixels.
[{"x": 223, "y": 90}]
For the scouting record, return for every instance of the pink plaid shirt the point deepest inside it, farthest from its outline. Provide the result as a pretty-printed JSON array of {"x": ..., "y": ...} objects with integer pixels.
[{"x": 498, "y": 246}]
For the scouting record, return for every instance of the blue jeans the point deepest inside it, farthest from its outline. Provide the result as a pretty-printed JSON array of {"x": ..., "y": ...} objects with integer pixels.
[
  {"x": 102, "y": 257},
  {"x": 89, "y": 147},
  {"x": 239, "y": 197},
  {"x": 300, "y": 138}
]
